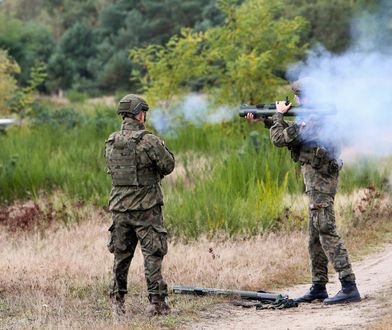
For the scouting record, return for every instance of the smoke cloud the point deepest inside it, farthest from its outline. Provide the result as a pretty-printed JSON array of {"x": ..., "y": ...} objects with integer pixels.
[
  {"x": 359, "y": 83},
  {"x": 194, "y": 109}
]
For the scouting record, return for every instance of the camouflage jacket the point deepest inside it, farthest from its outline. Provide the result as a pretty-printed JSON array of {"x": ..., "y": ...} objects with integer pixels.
[
  {"x": 153, "y": 159},
  {"x": 315, "y": 150}
]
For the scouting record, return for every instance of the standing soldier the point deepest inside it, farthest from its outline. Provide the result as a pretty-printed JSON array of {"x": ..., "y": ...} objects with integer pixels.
[
  {"x": 318, "y": 155},
  {"x": 137, "y": 161}
]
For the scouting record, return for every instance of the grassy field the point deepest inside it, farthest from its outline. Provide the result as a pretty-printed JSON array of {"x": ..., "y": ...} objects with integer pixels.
[
  {"x": 55, "y": 275},
  {"x": 234, "y": 210},
  {"x": 228, "y": 176}
]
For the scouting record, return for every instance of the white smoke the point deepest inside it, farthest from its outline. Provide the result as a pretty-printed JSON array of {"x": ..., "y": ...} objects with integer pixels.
[
  {"x": 194, "y": 109},
  {"x": 359, "y": 83}
]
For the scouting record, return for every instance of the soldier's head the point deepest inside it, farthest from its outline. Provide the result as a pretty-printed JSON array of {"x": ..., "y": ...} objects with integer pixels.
[
  {"x": 133, "y": 106},
  {"x": 306, "y": 90}
]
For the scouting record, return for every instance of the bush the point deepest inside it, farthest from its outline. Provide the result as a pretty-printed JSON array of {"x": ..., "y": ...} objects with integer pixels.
[
  {"x": 76, "y": 97},
  {"x": 59, "y": 117}
]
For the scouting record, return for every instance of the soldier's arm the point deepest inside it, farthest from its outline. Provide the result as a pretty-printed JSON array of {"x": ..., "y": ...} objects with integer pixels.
[
  {"x": 108, "y": 142},
  {"x": 159, "y": 154},
  {"x": 284, "y": 133}
]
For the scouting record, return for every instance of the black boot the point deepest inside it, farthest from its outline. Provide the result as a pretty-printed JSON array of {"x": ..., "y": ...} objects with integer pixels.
[
  {"x": 157, "y": 306},
  {"x": 348, "y": 293},
  {"x": 118, "y": 306},
  {"x": 316, "y": 292}
]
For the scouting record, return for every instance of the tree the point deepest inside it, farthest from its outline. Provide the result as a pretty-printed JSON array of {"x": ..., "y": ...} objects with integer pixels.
[
  {"x": 330, "y": 21},
  {"x": 237, "y": 62},
  {"x": 68, "y": 63},
  {"x": 128, "y": 24},
  {"x": 21, "y": 102},
  {"x": 8, "y": 69},
  {"x": 26, "y": 43}
]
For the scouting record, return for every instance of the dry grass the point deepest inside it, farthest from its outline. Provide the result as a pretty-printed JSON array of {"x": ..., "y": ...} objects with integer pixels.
[
  {"x": 384, "y": 321},
  {"x": 60, "y": 279},
  {"x": 57, "y": 277}
]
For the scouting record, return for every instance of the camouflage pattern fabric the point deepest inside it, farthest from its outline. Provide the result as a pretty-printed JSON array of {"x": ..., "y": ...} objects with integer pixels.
[
  {"x": 137, "y": 215},
  {"x": 321, "y": 176},
  {"x": 324, "y": 242},
  {"x": 127, "y": 230},
  {"x": 151, "y": 153}
]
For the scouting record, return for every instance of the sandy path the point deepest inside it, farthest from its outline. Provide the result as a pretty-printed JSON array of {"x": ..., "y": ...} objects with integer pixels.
[{"x": 374, "y": 278}]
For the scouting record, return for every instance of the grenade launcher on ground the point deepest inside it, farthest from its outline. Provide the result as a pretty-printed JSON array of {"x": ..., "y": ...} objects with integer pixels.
[
  {"x": 268, "y": 110},
  {"x": 252, "y": 295}
]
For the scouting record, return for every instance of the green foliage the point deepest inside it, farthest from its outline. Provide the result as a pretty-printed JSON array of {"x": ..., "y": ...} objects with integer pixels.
[
  {"x": 28, "y": 43},
  {"x": 228, "y": 178},
  {"x": 57, "y": 153},
  {"x": 23, "y": 100},
  {"x": 331, "y": 20},
  {"x": 365, "y": 173},
  {"x": 8, "y": 69},
  {"x": 238, "y": 62},
  {"x": 128, "y": 24},
  {"x": 56, "y": 118},
  {"x": 40, "y": 30},
  {"x": 67, "y": 67},
  {"x": 170, "y": 67},
  {"x": 240, "y": 194},
  {"x": 76, "y": 97}
]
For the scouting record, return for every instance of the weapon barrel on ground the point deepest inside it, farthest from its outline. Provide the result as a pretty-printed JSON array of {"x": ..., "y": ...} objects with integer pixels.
[
  {"x": 253, "y": 295},
  {"x": 268, "y": 110}
]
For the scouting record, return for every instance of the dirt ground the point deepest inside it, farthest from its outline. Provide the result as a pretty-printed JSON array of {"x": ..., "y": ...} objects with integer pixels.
[{"x": 374, "y": 278}]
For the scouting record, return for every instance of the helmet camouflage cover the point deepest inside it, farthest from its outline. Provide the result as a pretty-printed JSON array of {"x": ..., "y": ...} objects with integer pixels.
[
  {"x": 132, "y": 104},
  {"x": 307, "y": 84}
]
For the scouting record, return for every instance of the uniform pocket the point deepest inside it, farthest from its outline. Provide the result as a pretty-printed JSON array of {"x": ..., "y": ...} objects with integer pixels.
[
  {"x": 110, "y": 243},
  {"x": 154, "y": 241},
  {"x": 327, "y": 222}
]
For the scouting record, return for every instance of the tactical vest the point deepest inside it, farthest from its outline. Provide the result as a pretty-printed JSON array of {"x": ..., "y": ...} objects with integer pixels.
[
  {"x": 122, "y": 161},
  {"x": 311, "y": 152},
  {"x": 318, "y": 157}
]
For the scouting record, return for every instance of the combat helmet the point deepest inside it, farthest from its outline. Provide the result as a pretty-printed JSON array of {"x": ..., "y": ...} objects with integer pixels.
[
  {"x": 132, "y": 104},
  {"x": 307, "y": 84}
]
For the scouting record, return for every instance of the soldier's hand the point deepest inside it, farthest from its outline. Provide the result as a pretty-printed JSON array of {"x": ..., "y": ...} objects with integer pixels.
[
  {"x": 250, "y": 117},
  {"x": 281, "y": 106}
]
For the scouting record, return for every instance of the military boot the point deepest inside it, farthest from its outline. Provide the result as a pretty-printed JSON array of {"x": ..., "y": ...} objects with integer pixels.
[
  {"x": 118, "y": 306},
  {"x": 348, "y": 293},
  {"x": 157, "y": 306},
  {"x": 316, "y": 292}
]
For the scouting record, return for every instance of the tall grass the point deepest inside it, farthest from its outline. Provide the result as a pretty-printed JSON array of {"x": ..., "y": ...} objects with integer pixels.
[
  {"x": 366, "y": 173},
  {"x": 45, "y": 159},
  {"x": 233, "y": 179},
  {"x": 239, "y": 193}
]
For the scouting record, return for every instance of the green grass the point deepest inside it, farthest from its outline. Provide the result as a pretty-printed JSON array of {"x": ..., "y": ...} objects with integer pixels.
[
  {"x": 45, "y": 159},
  {"x": 239, "y": 189},
  {"x": 365, "y": 173}
]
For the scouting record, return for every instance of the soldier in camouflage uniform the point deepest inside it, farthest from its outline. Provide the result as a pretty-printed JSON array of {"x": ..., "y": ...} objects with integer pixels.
[
  {"x": 137, "y": 161},
  {"x": 318, "y": 155}
]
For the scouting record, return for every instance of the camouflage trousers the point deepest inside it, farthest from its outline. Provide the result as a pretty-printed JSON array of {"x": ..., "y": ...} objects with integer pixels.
[
  {"x": 127, "y": 230},
  {"x": 324, "y": 242}
]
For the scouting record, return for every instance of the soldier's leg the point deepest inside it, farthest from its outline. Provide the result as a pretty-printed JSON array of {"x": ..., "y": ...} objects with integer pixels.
[
  {"x": 318, "y": 260},
  {"x": 153, "y": 240},
  {"x": 330, "y": 240},
  {"x": 338, "y": 255},
  {"x": 122, "y": 244}
]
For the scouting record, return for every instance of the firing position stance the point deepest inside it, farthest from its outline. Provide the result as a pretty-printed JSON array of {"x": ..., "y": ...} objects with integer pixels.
[{"x": 317, "y": 151}]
